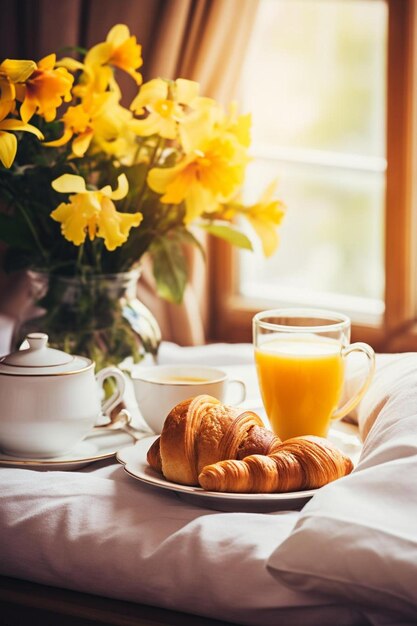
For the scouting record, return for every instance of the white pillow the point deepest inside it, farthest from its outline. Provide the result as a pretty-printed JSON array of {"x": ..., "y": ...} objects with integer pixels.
[{"x": 357, "y": 538}]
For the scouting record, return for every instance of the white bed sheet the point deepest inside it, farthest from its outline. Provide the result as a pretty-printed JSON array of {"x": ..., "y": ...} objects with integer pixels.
[{"x": 99, "y": 531}]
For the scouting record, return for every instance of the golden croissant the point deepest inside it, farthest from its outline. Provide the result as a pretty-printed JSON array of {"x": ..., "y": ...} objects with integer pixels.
[
  {"x": 296, "y": 464},
  {"x": 205, "y": 442},
  {"x": 201, "y": 431}
]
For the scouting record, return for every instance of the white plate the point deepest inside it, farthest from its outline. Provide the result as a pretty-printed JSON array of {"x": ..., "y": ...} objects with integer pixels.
[
  {"x": 133, "y": 458},
  {"x": 95, "y": 447}
]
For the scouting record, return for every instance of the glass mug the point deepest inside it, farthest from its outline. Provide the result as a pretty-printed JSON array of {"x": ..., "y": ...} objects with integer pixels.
[{"x": 300, "y": 357}]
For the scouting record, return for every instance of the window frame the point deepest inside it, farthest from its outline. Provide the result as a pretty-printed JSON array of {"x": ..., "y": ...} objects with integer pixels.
[{"x": 231, "y": 314}]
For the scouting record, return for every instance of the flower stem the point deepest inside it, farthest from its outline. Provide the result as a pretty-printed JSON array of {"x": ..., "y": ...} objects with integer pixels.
[
  {"x": 80, "y": 258},
  {"x": 159, "y": 144},
  {"x": 98, "y": 248},
  {"x": 33, "y": 231}
]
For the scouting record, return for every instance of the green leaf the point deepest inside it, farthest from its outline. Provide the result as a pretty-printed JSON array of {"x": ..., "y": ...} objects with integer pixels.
[
  {"x": 136, "y": 175},
  {"x": 228, "y": 233},
  {"x": 14, "y": 232},
  {"x": 169, "y": 268},
  {"x": 71, "y": 49}
]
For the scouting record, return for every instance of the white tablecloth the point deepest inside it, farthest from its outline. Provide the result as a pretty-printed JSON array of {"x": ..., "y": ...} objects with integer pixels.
[{"x": 98, "y": 530}]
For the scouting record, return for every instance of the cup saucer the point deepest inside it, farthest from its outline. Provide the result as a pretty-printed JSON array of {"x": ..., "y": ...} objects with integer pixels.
[{"x": 95, "y": 447}]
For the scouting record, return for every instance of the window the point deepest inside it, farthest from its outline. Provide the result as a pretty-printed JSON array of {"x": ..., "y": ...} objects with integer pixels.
[{"x": 328, "y": 84}]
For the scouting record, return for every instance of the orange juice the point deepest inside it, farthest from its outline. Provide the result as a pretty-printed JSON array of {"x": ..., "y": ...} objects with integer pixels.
[{"x": 301, "y": 381}]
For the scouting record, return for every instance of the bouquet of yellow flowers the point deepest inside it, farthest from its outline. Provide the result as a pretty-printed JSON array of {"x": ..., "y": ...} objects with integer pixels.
[{"x": 88, "y": 186}]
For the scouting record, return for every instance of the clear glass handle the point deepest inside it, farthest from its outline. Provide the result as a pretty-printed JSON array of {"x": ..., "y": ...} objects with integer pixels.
[{"x": 354, "y": 401}]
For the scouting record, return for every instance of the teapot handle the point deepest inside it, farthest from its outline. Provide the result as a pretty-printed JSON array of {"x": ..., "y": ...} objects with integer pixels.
[{"x": 112, "y": 372}]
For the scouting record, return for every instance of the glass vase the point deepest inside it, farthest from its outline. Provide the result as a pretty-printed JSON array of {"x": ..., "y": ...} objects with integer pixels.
[{"x": 98, "y": 316}]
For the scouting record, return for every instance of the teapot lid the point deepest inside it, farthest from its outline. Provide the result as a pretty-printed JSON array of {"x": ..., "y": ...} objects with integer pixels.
[{"x": 39, "y": 360}]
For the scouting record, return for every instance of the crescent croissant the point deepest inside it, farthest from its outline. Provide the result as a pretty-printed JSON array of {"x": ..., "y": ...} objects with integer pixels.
[
  {"x": 296, "y": 464},
  {"x": 205, "y": 442},
  {"x": 201, "y": 431}
]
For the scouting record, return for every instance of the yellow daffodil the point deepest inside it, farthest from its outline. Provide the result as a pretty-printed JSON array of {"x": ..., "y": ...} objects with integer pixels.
[
  {"x": 13, "y": 72},
  {"x": 17, "y": 70},
  {"x": 93, "y": 212},
  {"x": 124, "y": 51},
  {"x": 208, "y": 118},
  {"x": 200, "y": 124},
  {"x": 211, "y": 170},
  {"x": 89, "y": 81},
  {"x": 77, "y": 121},
  {"x": 8, "y": 141},
  {"x": 202, "y": 179},
  {"x": 101, "y": 120},
  {"x": 264, "y": 216},
  {"x": 238, "y": 125},
  {"x": 163, "y": 101},
  {"x": 120, "y": 50},
  {"x": 44, "y": 90},
  {"x": 113, "y": 131}
]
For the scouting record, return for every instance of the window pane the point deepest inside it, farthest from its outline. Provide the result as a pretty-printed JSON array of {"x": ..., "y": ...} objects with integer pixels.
[{"x": 314, "y": 80}]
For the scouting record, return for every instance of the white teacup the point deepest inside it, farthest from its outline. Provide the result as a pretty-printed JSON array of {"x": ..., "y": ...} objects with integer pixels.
[{"x": 161, "y": 387}]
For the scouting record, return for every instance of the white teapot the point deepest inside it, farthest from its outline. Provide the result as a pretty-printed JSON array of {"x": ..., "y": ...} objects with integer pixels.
[{"x": 50, "y": 400}]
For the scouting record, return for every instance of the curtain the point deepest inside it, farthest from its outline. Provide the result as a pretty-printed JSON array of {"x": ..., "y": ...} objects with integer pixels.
[{"x": 202, "y": 40}]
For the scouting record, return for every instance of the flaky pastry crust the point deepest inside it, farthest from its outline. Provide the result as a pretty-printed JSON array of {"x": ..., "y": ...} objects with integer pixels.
[
  {"x": 201, "y": 431},
  {"x": 296, "y": 464}
]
